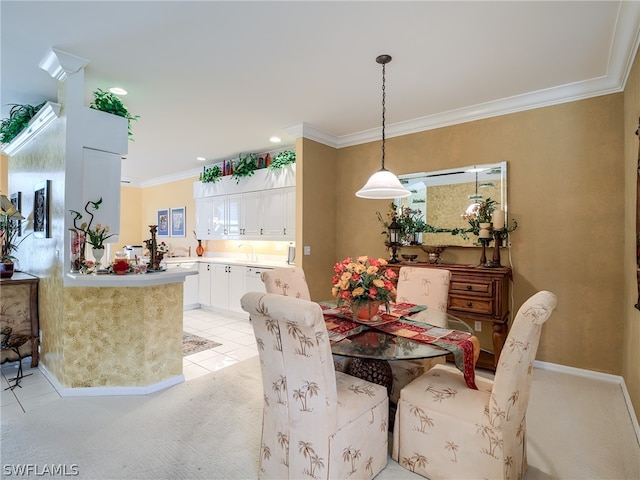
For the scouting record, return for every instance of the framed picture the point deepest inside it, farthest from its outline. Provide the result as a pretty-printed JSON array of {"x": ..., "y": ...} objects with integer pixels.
[
  {"x": 163, "y": 223},
  {"x": 178, "y": 220},
  {"x": 16, "y": 200},
  {"x": 41, "y": 217}
]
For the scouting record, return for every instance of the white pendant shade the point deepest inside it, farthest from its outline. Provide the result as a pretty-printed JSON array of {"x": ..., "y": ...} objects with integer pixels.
[{"x": 383, "y": 184}]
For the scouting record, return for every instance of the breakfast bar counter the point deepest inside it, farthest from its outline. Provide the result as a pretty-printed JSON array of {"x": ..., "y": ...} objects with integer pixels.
[{"x": 124, "y": 333}]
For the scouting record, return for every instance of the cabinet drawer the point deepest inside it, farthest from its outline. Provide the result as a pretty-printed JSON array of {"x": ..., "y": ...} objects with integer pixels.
[
  {"x": 464, "y": 286},
  {"x": 471, "y": 305}
]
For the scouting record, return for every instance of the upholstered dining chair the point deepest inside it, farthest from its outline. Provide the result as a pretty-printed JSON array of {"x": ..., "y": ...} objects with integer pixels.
[
  {"x": 422, "y": 286},
  {"x": 290, "y": 282},
  {"x": 317, "y": 423},
  {"x": 445, "y": 430}
]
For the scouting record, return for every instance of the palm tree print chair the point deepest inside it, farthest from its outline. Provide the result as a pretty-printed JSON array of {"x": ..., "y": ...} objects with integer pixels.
[
  {"x": 292, "y": 282},
  {"x": 317, "y": 423},
  {"x": 445, "y": 430},
  {"x": 422, "y": 286}
]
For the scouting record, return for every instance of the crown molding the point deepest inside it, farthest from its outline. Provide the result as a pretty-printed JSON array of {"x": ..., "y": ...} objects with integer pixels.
[
  {"x": 47, "y": 114},
  {"x": 61, "y": 64}
]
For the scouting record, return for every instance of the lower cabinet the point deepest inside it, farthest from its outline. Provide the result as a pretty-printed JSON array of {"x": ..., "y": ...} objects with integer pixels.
[
  {"x": 191, "y": 290},
  {"x": 221, "y": 286},
  {"x": 227, "y": 287}
]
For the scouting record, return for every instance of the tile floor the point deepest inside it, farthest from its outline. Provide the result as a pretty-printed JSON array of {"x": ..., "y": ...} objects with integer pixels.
[{"x": 234, "y": 334}]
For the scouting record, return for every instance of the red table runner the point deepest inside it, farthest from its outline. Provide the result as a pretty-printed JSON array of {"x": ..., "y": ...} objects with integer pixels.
[{"x": 340, "y": 324}]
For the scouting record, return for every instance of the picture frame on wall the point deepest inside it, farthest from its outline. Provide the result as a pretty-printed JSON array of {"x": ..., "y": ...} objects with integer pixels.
[
  {"x": 163, "y": 223},
  {"x": 178, "y": 221},
  {"x": 16, "y": 200},
  {"x": 41, "y": 214}
]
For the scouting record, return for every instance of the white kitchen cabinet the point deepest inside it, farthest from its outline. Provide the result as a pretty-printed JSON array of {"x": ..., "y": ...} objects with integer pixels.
[
  {"x": 258, "y": 208},
  {"x": 278, "y": 213},
  {"x": 204, "y": 217},
  {"x": 204, "y": 284},
  {"x": 227, "y": 287}
]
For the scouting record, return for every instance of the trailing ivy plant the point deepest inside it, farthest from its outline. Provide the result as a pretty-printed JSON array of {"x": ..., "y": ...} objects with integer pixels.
[
  {"x": 111, "y": 103},
  {"x": 245, "y": 166},
  {"x": 211, "y": 174},
  {"x": 19, "y": 117},
  {"x": 282, "y": 159}
]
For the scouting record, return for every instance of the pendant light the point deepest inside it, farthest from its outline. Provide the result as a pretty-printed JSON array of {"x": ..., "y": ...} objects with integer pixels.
[{"x": 383, "y": 183}]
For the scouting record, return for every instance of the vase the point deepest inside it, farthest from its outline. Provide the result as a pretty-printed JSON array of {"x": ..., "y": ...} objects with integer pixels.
[
  {"x": 6, "y": 270},
  {"x": 367, "y": 311},
  {"x": 77, "y": 248},
  {"x": 98, "y": 253},
  {"x": 199, "y": 248}
]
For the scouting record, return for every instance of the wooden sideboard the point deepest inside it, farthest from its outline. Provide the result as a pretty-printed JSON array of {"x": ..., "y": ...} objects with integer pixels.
[
  {"x": 478, "y": 294},
  {"x": 19, "y": 310}
]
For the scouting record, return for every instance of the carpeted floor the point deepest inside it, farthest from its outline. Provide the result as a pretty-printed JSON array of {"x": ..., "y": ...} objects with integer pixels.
[
  {"x": 209, "y": 428},
  {"x": 193, "y": 344}
]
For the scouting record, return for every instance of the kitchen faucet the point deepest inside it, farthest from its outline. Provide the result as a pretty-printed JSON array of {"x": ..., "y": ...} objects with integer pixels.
[{"x": 254, "y": 257}]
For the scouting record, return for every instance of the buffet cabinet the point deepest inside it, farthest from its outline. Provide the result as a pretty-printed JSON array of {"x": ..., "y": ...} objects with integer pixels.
[
  {"x": 19, "y": 312},
  {"x": 478, "y": 293}
]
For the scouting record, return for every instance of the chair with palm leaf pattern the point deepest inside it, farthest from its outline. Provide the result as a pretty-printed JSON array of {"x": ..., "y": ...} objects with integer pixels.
[
  {"x": 446, "y": 430},
  {"x": 317, "y": 423}
]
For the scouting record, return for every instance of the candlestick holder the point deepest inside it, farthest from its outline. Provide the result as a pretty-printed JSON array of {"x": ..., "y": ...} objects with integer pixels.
[
  {"x": 394, "y": 252},
  {"x": 497, "y": 239},
  {"x": 485, "y": 243}
]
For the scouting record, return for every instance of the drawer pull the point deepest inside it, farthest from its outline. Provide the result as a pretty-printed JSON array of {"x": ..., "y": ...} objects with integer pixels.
[
  {"x": 469, "y": 287},
  {"x": 469, "y": 304}
]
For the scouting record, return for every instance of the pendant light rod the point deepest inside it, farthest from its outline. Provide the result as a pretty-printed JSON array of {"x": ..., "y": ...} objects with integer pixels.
[{"x": 383, "y": 60}]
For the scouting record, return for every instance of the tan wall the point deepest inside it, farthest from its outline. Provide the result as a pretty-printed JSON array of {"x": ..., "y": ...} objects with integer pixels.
[
  {"x": 316, "y": 212},
  {"x": 631, "y": 335},
  {"x": 565, "y": 172}
]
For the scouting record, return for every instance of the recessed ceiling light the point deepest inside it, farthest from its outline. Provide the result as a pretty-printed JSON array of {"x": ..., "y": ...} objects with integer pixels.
[
  {"x": 118, "y": 91},
  {"x": 202, "y": 159},
  {"x": 275, "y": 139}
]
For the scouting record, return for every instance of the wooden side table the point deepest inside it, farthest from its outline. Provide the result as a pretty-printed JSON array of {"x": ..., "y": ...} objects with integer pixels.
[
  {"x": 478, "y": 293},
  {"x": 19, "y": 310}
]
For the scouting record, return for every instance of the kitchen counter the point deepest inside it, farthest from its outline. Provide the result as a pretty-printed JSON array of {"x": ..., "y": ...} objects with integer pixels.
[{"x": 129, "y": 280}]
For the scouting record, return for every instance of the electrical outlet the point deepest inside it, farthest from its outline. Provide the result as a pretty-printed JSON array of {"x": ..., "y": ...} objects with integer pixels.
[
  {"x": 307, "y": 250},
  {"x": 478, "y": 326}
]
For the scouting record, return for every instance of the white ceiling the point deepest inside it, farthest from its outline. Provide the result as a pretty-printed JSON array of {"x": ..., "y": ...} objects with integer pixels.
[{"x": 216, "y": 79}]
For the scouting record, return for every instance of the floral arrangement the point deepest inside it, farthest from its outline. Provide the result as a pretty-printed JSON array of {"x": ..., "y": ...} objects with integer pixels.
[
  {"x": 94, "y": 236},
  {"x": 10, "y": 225},
  {"x": 363, "y": 280},
  {"x": 97, "y": 235},
  {"x": 162, "y": 247}
]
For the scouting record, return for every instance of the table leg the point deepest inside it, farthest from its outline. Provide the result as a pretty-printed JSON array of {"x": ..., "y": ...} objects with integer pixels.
[{"x": 372, "y": 370}]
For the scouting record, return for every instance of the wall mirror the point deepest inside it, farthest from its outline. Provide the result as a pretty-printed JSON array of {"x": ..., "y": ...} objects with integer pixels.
[{"x": 442, "y": 197}]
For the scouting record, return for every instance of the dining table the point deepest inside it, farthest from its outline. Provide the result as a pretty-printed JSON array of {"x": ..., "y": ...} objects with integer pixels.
[{"x": 404, "y": 331}]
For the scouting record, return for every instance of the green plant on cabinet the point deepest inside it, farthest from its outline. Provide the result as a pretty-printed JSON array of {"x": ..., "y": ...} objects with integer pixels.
[
  {"x": 283, "y": 159},
  {"x": 18, "y": 120},
  {"x": 111, "y": 103},
  {"x": 245, "y": 167}
]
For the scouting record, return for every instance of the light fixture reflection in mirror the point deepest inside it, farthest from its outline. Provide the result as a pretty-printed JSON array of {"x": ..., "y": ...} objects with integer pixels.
[{"x": 442, "y": 196}]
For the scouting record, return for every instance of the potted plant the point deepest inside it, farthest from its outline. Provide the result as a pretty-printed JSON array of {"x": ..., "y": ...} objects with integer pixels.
[
  {"x": 111, "y": 103},
  {"x": 245, "y": 167},
  {"x": 211, "y": 174},
  {"x": 10, "y": 219},
  {"x": 18, "y": 120},
  {"x": 282, "y": 159}
]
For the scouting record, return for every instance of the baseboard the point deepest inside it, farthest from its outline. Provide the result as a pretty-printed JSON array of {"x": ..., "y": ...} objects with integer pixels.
[
  {"x": 604, "y": 377},
  {"x": 108, "y": 391}
]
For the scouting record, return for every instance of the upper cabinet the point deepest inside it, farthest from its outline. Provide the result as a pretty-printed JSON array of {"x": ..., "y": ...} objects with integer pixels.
[{"x": 261, "y": 207}]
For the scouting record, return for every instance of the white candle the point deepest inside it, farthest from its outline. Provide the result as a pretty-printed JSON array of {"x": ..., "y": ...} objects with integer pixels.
[
  {"x": 485, "y": 230},
  {"x": 497, "y": 217}
]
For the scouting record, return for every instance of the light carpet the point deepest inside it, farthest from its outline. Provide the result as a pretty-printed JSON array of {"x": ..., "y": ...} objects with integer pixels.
[{"x": 209, "y": 428}]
